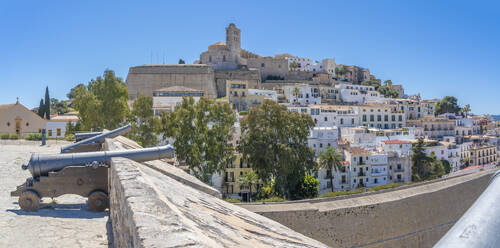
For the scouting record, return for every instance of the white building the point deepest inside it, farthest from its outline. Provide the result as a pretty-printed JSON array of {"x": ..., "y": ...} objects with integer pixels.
[
  {"x": 359, "y": 94},
  {"x": 166, "y": 99},
  {"x": 302, "y": 95},
  {"x": 268, "y": 94},
  {"x": 323, "y": 137},
  {"x": 56, "y": 126}
]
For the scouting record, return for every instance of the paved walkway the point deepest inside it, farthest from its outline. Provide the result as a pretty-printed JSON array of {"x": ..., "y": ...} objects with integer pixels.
[{"x": 67, "y": 223}]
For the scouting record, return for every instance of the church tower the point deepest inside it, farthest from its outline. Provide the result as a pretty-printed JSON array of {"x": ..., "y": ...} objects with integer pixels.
[{"x": 233, "y": 40}]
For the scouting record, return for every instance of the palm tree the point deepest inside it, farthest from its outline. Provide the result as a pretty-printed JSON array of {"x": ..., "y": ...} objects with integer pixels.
[
  {"x": 296, "y": 93},
  {"x": 331, "y": 159},
  {"x": 466, "y": 109},
  {"x": 249, "y": 179}
]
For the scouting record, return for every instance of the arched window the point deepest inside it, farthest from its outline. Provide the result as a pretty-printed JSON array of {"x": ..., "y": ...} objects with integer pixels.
[
  {"x": 27, "y": 124},
  {"x": 224, "y": 58},
  {"x": 8, "y": 124},
  {"x": 209, "y": 58}
]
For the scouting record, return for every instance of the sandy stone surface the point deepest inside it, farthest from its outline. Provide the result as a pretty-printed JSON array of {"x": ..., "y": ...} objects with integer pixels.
[{"x": 66, "y": 223}]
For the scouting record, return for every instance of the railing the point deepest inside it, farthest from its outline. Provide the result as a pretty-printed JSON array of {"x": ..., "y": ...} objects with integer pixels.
[
  {"x": 480, "y": 225},
  {"x": 361, "y": 174},
  {"x": 399, "y": 170}
]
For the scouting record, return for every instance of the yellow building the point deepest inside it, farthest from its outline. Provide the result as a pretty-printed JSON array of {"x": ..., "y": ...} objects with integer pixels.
[
  {"x": 481, "y": 155},
  {"x": 231, "y": 185},
  {"x": 17, "y": 119},
  {"x": 238, "y": 97}
]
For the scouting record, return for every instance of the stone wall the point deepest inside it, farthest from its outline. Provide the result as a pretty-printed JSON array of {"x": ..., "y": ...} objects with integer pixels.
[
  {"x": 147, "y": 78},
  {"x": 252, "y": 76},
  {"x": 412, "y": 216},
  {"x": 148, "y": 208},
  {"x": 269, "y": 66}
]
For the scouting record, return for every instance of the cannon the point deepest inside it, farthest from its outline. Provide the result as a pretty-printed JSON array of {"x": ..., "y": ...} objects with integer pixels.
[
  {"x": 90, "y": 142},
  {"x": 84, "y": 174},
  {"x": 82, "y": 136}
]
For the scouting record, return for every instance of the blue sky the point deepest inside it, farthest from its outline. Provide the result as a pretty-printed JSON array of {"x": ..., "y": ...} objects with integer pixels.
[{"x": 437, "y": 48}]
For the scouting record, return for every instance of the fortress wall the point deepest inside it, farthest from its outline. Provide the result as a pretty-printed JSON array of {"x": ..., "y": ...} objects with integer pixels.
[
  {"x": 272, "y": 67},
  {"x": 151, "y": 207},
  {"x": 145, "y": 79},
  {"x": 252, "y": 76},
  {"x": 414, "y": 216}
]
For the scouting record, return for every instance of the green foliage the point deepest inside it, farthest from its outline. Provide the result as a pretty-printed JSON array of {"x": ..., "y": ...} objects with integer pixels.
[
  {"x": 274, "y": 77},
  {"x": 331, "y": 160},
  {"x": 202, "y": 134},
  {"x": 381, "y": 187},
  {"x": 13, "y": 136},
  {"x": 425, "y": 167},
  {"x": 274, "y": 142},
  {"x": 387, "y": 82},
  {"x": 249, "y": 179},
  {"x": 308, "y": 188},
  {"x": 41, "y": 109},
  {"x": 232, "y": 200},
  {"x": 181, "y": 61},
  {"x": 71, "y": 93},
  {"x": 103, "y": 103},
  {"x": 46, "y": 108},
  {"x": 72, "y": 128},
  {"x": 449, "y": 104},
  {"x": 466, "y": 109},
  {"x": 69, "y": 137},
  {"x": 4, "y": 136},
  {"x": 341, "y": 71},
  {"x": 145, "y": 125},
  {"x": 340, "y": 193},
  {"x": 33, "y": 136},
  {"x": 243, "y": 112},
  {"x": 294, "y": 65},
  {"x": 447, "y": 166},
  {"x": 59, "y": 107},
  {"x": 373, "y": 83},
  {"x": 388, "y": 91}
]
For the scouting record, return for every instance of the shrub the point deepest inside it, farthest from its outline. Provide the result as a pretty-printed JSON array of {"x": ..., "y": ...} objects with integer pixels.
[
  {"x": 33, "y": 136},
  {"x": 232, "y": 200},
  {"x": 380, "y": 187},
  {"x": 70, "y": 137},
  {"x": 272, "y": 199},
  {"x": 4, "y": 136},
  {"x": 14, "y": 136},
  {"x": 243, "y": 112}
]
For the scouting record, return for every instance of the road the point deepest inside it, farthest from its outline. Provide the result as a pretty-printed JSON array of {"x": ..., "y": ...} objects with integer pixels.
[{"x": 67, "y": 222}]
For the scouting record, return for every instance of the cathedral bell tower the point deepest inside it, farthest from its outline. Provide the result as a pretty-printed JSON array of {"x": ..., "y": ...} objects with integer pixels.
[{"x": 233, "y": 40}]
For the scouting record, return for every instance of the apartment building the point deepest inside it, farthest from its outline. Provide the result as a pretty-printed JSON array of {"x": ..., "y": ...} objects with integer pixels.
[
  {"x": 434, "y": 127},
  {"x": 381, "y": 116},
  {"x": 483, "y": 154},
  {"x": 323, "y": 137},
  {"x": 367, "y": 168},
  {"x": 302, "y": 95},
  {"x": 231, "y": 185},
  {"x": 413, "y": 109},
  {"x": 359, "y": 94},
  {"x": 330, "y": 115}
]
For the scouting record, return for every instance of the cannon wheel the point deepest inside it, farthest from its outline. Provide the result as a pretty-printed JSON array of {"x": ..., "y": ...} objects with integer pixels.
[
  {"x": 29, "y": 201},
  {"x": 98, "y": 201}
]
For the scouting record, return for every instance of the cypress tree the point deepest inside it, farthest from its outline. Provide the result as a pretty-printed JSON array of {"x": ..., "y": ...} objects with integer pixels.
[
  {"x": 47, "y": 104},
  {"x": 41, "y": 109}
]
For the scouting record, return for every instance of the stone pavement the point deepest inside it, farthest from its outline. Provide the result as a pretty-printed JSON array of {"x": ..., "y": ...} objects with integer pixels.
[{"x": 66, "y": 223}]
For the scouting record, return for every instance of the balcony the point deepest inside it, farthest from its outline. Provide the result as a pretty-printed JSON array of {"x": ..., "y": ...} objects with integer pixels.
[
  {"x": 399, "y": 170},
  {"x": 361, "y": 174}
]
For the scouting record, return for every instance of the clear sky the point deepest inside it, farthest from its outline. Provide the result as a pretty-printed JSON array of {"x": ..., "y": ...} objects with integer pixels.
[{"x": 437, "y": 48}]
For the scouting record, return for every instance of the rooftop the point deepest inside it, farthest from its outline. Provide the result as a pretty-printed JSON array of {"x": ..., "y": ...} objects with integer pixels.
[
  {"x": 177, "y": 89},
  {"x": 396, "y": 142}
]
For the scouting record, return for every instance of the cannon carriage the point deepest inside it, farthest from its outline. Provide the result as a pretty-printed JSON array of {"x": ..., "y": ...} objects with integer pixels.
[{"x": 84, "y": 173}]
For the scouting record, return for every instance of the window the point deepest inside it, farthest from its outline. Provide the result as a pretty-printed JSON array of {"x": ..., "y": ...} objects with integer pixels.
[
  {"x": 262, "y": 65},
  {"x": 372, "y": 118},
  {"x": 352, "y": 121},
  {"x": 27, "y": 124},
  {"x": 379, "y": 118},
  {"x": 50, "y": 132},
  {"x": 386, "y": 118},
  {"x": 8, "y": 124},
  {"x": 209, "y": 58},
  {"x": 58, "y": 132},
  {"x": 400, "y": 118},
  {"x": 342, "y": 121},
  {"x": 326, "y": 119},
  {"x": 364, "y": 117}
]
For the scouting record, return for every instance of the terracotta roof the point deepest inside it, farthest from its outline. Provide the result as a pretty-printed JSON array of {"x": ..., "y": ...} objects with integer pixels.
[
  {"x": 358, "y": 150},
  {"x": 397, "y": 142},
  {"x": 65, "y": 118}
]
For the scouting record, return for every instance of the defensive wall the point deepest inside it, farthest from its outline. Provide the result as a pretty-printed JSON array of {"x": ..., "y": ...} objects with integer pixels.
[
  {"x": 155, "y": 204},
  {"x": 409, "y": 216}
]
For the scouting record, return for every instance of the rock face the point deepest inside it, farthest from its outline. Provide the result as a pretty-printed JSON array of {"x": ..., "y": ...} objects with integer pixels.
[{"x": 148, "y": 208}]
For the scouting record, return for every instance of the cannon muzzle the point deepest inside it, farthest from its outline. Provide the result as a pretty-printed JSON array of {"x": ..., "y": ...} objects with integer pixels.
[
  {"x": 82, "y": 136},
  {"x": 99, "y": 138},
  {"x": 42, "y": 164}
]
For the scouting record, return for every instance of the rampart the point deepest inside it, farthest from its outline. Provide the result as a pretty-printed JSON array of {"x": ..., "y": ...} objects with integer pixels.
[
  {"x": 154, "y": 204},
  {"x": 410, "y": 216}
]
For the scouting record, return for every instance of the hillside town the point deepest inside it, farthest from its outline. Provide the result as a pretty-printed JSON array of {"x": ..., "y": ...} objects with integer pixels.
[{"x": 365, "y": 132}]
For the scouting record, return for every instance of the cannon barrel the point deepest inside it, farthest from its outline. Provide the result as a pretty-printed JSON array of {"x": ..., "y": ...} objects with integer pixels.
[
  {"x": 480, "y": 225},
  {"x": 42, "y": 164},
  {"x": 82, "y": 136},
  {"x": 98, "y": 138}
]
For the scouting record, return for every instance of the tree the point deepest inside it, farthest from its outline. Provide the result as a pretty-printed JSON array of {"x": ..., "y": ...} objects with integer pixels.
[
  {"x": 293, "y": 65},
  {"x": 46, "y": 108},
  {"x": 103, "y": 103},
  {"x": 308, "y": 189},
  {"x": 388, "y": 82},
  {"x": 373, "y": 83},
  {"x": 446, "y": 166},
  {"x": 71, "y": 93},
  {"x": 466, "y": 109},
  {"x": 59, "y": 107},
  {"x": 249, "y": 179},
  {"x": 342, "y": 71},
  {"x": 388, "y": 91},
  {"x": 145, "y": 125},
  {"x": 420, "y": 162},
  {"x": 274, "y": 143},
  {"x": 41, "y": 109},
  {"x": 449, "y": 104},
  {"x": 181, "y": 61},
  {"x": 202, "y": 133},
  {"x": 330, "y": 160}
]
